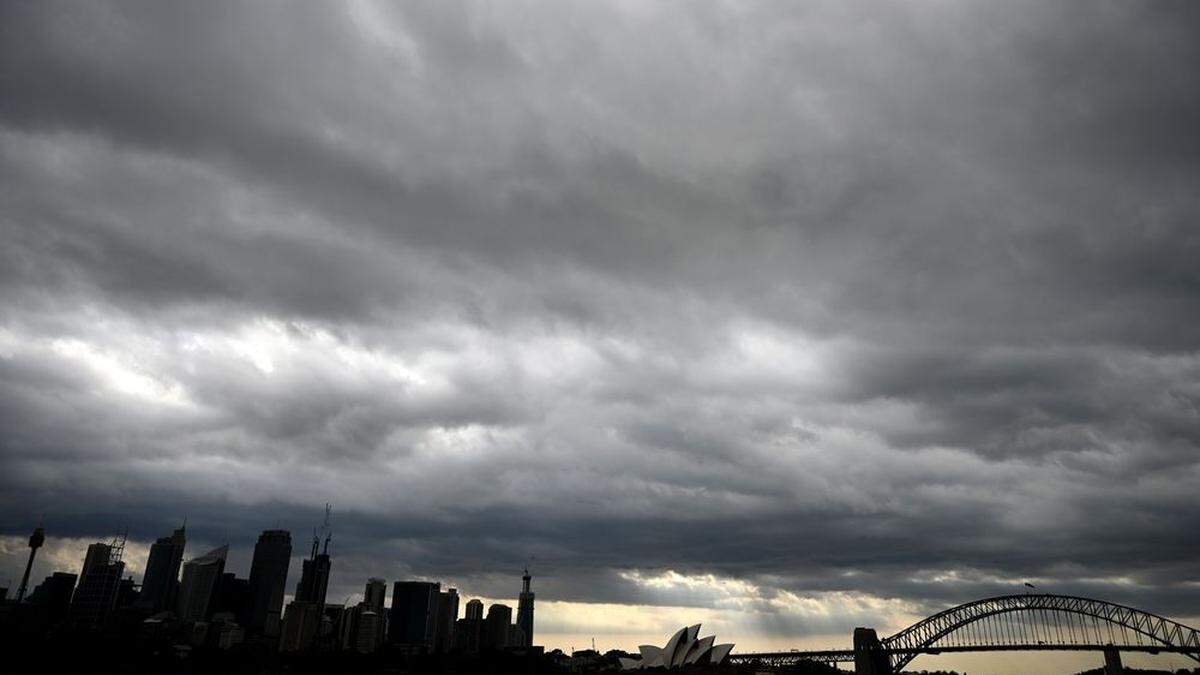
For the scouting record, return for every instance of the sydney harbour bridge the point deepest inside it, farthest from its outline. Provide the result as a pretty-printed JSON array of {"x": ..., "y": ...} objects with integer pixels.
[{"x": 1028, "y": 622}]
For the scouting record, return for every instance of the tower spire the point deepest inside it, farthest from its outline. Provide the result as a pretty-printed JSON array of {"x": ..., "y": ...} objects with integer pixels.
[
  {"x": 35, "y": 542},
  {"x": 525, "y": 609},
  {"x": 328, "y": 529}
]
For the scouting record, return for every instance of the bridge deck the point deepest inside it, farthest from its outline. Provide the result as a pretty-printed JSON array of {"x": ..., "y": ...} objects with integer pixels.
[{"x": 846, "y": 655}]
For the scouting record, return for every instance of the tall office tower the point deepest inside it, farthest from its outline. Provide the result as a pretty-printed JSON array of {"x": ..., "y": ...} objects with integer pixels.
[
  {"x": 516, "y": 636},
  {"x": 368, "y": 629},
  {"x": 474, "y": 609},
  {"x": 349, "y": 626},
  {"x": 299, "y": 627},
  {"x": 232, "y": 596},
  {"x": 35, "y": 542},
  {"x": 314, "y": 575},
  {"x": 96, "y": 595},
  {"x": 160, "y": 583},
  {"x": 447, "y": 614},
  {"x": 469, "y": 634},
  {"x": 54, "y": 595},
  {"x": 499, "y": 618},
  {"x": 525, "y": 611},
  {"x": 375, "y": 593},
  {"x": 200, "y": 579},
  {"x": 128, "y": 593},
  {"x": 268, "y": 580},
  {"x": 414, "y": 615},
  {"x": 330, "y": 627}
]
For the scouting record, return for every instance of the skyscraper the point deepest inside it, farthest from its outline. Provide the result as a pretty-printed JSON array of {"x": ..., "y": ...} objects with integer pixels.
[
  {"x": 314, "y": 577},
  {"x": 474, "y": 609},
  {"x": 127, "y": 593},
  {"x": 268, "y": 581},
  {"x": 469, "y": 634},
  {"x": 525, "y": 611},
  {"x": 375, "y": 593},
  {"x": 160, "y": 583},
  {"x": 200, "y": 578},
  {"x": 499, "y": 618},
  {"x": 302, "y": 621},
  {"x": 232, "y": 596},
  {"x": 300, "y": 625},
  {"x": 447, "y": 614},
  {"x": 96, "y": 595},
  {"x": 414, "y": 614},
  {"x": 54, "y": 596},
  {"x": 516, "y": 636},
  {"x": 368, "y": 629}
]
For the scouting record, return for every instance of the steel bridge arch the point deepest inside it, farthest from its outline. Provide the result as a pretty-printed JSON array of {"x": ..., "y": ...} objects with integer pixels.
[{"x": 921, "y": 637}]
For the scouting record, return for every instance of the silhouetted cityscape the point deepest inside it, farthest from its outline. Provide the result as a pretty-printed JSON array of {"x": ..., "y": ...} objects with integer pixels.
[
  {"x": 195, "y": 616},
  {"x": 184, "y": 607}
]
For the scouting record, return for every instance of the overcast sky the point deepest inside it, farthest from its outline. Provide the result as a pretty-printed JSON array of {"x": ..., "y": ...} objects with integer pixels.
[{"x": 790, "y": 316}]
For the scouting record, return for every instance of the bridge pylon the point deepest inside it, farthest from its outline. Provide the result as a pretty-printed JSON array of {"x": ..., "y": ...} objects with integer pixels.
[
  {"x": 1112, "y": 662},
  {"x": 869, "y": 656}
]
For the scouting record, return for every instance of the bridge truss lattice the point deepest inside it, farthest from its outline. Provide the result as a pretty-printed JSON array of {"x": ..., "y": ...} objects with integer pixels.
[{"x": 1031, "y": 621}]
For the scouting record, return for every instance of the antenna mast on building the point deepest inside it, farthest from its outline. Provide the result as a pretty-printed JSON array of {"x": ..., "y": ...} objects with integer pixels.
[{"x": 327, "y": 528}]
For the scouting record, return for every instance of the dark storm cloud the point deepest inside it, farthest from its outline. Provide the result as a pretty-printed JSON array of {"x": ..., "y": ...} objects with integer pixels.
[{"x": 898, "y": 300}]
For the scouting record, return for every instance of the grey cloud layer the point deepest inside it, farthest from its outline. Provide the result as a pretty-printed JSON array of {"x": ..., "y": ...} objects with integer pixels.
[{"x": 878, "y": 292}]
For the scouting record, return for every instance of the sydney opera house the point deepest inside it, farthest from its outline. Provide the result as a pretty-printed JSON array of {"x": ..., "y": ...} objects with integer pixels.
[{"x": 683, "y": 649}]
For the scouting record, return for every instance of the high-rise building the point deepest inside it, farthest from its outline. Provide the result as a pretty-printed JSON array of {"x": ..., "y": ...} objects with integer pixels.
[
  {"x": 362, "y": 626},
  {"x": 469, "y": 634},
  {"x": 516, "y": 636},
  {"x": 232, "y": 596},
  {"x": 474, "y": 609},
  {"x": 306, "y": 614},
  {"x": 375, "y": 594},
  {"x": 201, "y": 577},
  {"x": 54, "y": 595},
  {"x": 349, "y": 626},
  {"x": 300, "y": 624},
  {"x": 128, "y": 593},
  {"x": 332, "y": 617},
  {"x": 368, "y": 629},
  {"x": 96, "y": 595},
  {"x": 447, "y": 614},
  {"x": 496, "y": 634},
  {"x": 225, "y": 634},
  {"x": 314, "y": 577},
  {"x": 525, "y": 611},
  {"x": 160, "y": 583},
  {"x": 413, "y": 623},
  {"x": 268, "y": 581}
]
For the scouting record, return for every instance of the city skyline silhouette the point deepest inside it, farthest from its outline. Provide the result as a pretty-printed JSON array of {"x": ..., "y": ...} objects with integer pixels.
[{"x": 785, "y": 319}]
